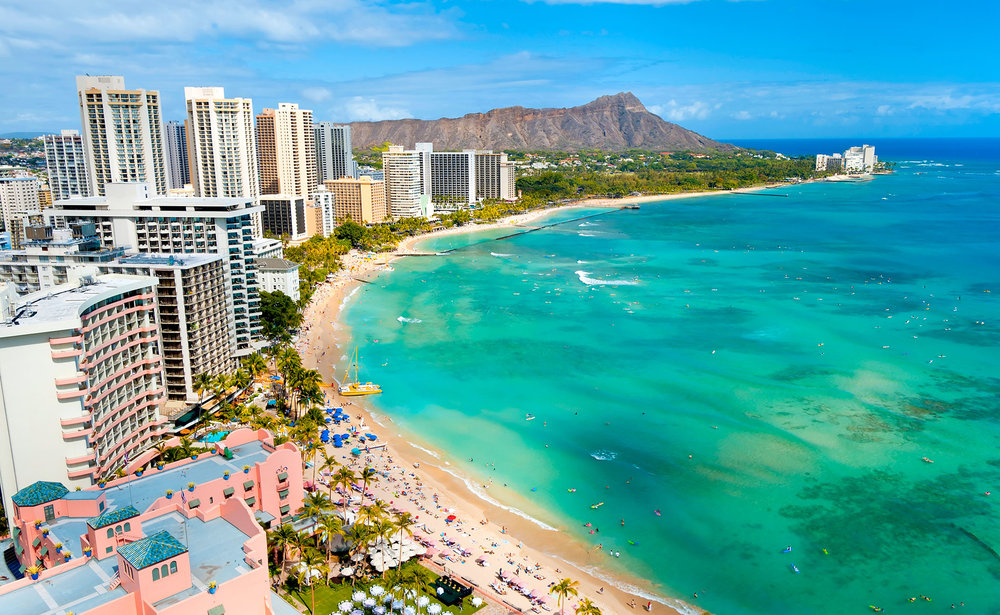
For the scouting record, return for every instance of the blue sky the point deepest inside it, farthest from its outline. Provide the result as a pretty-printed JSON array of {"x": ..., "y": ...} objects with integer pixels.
[{"x": 727, "y": 69}]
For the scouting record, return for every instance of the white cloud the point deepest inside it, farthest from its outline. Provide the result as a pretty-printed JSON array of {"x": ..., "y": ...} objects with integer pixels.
[
  {"x": 742, "y": 115},
  {"x": 678, "y": 113},
  {"x": 369, "y": 110},
  {"x": 297, "y": 21},
  {"x": 316, "y": 94}
]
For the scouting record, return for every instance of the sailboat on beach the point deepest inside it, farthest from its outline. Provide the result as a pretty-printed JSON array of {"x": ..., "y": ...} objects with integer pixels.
[{"x": 355, "y": 387}]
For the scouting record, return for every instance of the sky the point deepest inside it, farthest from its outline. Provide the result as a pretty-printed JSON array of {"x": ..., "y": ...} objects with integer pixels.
[{"x": 729, "y": 69}]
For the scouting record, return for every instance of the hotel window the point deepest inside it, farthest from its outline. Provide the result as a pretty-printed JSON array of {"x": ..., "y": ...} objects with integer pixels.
[
  {"x": 163, "y": 571},
  {"x": 156, "y": 574},
  {"x": 111, "y": 532},
  {"x": 173, "y": 567}
]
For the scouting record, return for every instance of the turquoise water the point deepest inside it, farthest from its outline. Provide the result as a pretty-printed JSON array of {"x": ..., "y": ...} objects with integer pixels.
[
  {"x": 764, "y": 371},
  {"x": 215, "y": 436}
]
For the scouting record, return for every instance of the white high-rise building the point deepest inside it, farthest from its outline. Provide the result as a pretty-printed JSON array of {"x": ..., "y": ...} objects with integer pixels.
[
  {"x": 177, "y": 155},
  {"x": 860, "y": 159},
  {"x": 130, "y": 215},
  {"x": 452, "y": 180},
  {"x": 404, "y": 182},
  {"x": 67, "y": 165},
  {"x": 81, "y": 381},
  {"x": 223, "y": 145},
  {"x": 334, "y": 157},
  {"x": 18, "y": 196},
  {"x": 122, "y": 134},
  {"x": 286, "y": 151}
]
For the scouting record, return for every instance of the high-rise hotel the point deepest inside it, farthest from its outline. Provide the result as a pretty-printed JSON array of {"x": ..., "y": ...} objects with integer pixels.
[{"x": 122, "y": 133}]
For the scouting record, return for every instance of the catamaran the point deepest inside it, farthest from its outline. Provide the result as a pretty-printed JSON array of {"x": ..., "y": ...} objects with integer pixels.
[{"x": 355, "y": 387}]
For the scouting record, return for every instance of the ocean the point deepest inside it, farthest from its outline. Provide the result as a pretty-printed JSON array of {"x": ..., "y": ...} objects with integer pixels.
[{"x": 709, "y": 382}]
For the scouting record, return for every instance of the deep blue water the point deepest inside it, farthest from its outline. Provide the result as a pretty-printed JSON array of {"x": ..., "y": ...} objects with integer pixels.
[{"x": 983, "y": 149}]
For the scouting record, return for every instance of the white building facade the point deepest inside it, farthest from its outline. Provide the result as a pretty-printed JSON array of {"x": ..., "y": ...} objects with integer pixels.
[
  {"x": 18, "y": 196},
  {"x": 404, "y": 182},
  {"x": 122, "y": 134},
  {"x": 130, "y": 215},
  {"x": 278, "y": 274},
  {"x": 67, "y": 165},
  {"x": 81, "y": 381}
]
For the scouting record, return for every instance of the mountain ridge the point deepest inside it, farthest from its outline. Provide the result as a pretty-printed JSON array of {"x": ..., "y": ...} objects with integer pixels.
[{"x": 613, "y": 122}]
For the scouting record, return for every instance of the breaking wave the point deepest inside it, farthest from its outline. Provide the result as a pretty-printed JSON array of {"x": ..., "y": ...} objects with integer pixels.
[
  {"x": 410, "y": 320},
  {"x": 604, "y": 455},
  {"x": 589, "y": 281},
  {"x": 499, "y": 254}
]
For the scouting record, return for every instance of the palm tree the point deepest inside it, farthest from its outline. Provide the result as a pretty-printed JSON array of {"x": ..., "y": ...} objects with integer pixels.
[
  {"x": 383, "y": 529},
  {"x": 328, "y": 464},
  {"x": 330, "y": 527},
  {"x": 185, "y": 447},
  {"x": 375, "y": 511},
  {"x": 368, "y": 474},
  {"x": 563, "y": 589},
  {"x": 281, "y": 538},
  {"x": 404, "y": 524},
  {"x": 242, "y": 378},
  {"x": 202, "y": 383},
  {"x": 315, "y": 505},
  {"x": 358, "y": 535},
  {"x": 310, "y": 559},
  {"x": 345, "y": 477},
  {"x": 587, "y": 607},
  {"x": 255, "y": 364}
]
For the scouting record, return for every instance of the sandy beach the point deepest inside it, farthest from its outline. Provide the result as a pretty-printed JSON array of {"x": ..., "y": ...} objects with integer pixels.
[{"x": 428, "y": 485}]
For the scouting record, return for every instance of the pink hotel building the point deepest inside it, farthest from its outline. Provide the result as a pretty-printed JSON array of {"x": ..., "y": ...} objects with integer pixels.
[{"x": 130, "y": 548}]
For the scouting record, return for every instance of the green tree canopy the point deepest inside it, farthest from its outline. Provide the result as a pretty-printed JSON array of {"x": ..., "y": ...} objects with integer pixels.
[{"x": 278, "y": 314}]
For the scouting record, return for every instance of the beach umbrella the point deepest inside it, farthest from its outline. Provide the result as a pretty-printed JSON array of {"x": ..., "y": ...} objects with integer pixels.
[
  {"x": 434, "y": 609},
  {"x": 369, "y": 603},
  {"x": 450, "y": 518},
  {"x": 397, "y": 604},
  {"x": 357, "y": 612},
  {"x": 477, "y": 601},
  {"x": 358, "y": 596},
  {"x": 423, "y": 601},
  {"x": 440, "y": 591},
  {"x": 409, "y": 611},
  {"x": 376, "y": 590},
  {"x": 347, "y": 571},
  {"x": 380, "y": 610},
  {"x": 345, "y": 606}
]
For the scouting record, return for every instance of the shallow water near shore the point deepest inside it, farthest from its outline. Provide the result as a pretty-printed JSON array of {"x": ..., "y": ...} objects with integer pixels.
[{"x": 761, "y": 371}]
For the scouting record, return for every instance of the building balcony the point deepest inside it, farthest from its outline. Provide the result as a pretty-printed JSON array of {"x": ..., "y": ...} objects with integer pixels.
[
  {"x": 80, "y": 433},
  {"x": 79, "y": 378},
  {"x": 77, "y": 420},
  {"x": 71, "y": 394},
  {"x": 84, "y": 459}
]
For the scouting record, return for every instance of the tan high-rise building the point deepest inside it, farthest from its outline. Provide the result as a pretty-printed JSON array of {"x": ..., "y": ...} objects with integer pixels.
[
  {"x": 122, "y": 134},
  {"x": 286, "y": 151},
  {"x": 67, "y": 165},
  {"x": 222, "y": 148},
  {"x": 361, "y": 200}
]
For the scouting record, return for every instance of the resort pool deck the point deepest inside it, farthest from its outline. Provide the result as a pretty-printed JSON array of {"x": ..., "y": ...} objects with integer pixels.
[
  {"x": 143, "y": 492},
  {"x": 77, "y": 590}
]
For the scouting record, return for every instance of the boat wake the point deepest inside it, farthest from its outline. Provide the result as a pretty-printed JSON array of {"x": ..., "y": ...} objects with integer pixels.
[
  {"x": 604, "y": 455},
  {"x": 589, "y": 281},
  {"x": 586, "y": 234},
  {"x": 409, "y": 320},
  {"x": 499, "y": 254}
]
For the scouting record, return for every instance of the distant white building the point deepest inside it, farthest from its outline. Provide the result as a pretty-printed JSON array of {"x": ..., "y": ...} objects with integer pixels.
[
  {"x": 858, "y": 159},
  {"x": 278, "y": 274},
  {"x": 18, "y": 195},
  {"x": 268, "y": 248},
  {"x": 66, "y": 162}
]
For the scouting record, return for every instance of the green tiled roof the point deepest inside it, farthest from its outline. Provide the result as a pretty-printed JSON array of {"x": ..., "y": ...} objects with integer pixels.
[
  {"x": 110, "y": 517},
  {"x": 39, "y": 493},
  {"x": 151, "y": 550}
]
